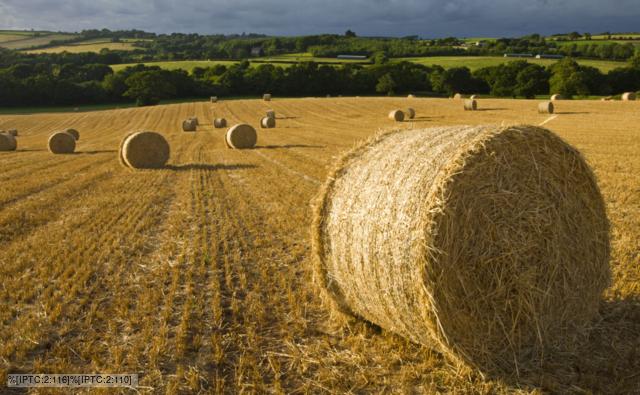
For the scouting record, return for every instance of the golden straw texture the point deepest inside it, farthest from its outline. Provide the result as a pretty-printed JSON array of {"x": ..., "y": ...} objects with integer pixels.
[
  {"x": 488, "y": 243},
  {"x": 396, "y": 115},
  {"x": 74, "y": 133},
  {"x": 145, "y": 150},
  {"x": 546, "y": 107},
  {"x": 470, "y": 105},
  {"x": 241, "y": 136},
  {"x": 62, "y": 143},
  {"x": 268, "y": 123},
  {"x": 7, "y": 142},
  {"x": 189, "y": 125}
]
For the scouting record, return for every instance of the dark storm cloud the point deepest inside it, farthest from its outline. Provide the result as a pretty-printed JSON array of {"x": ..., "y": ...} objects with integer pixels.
[{"x": 429, "y": 18}]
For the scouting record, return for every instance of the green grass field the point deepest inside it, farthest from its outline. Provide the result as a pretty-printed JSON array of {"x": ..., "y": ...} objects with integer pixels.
[
  {"x": 32, "y": 40},
  {"x": 477, "y": 62}
]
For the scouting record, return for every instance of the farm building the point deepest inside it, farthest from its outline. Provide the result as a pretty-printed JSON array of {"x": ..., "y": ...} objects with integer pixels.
[
  {"x": 352, "y": 57},
  {"x": 518, "y": 55},
  {"x": 257, "y": 51},
  {"x": 547, "y": 56}
]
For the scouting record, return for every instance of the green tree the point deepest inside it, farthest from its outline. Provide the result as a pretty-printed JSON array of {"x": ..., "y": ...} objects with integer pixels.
[
  {"x": 532, "y": 80},
  {"x": 386, "y": 84},
  {"x": 149, "y": 87}
]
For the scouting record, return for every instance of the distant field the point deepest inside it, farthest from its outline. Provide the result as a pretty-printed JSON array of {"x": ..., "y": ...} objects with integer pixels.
[
  {"x": 306, "y": 57},
  {"x": 32, "y": 41},
  {"x": 477, "y": 62},
  {"x": 187, "y": 65},
  {"x": 12, "y": 36},
  {"x": 597, "y": 42},
  {"x": 93, "y": 46},
  {"x": 472, "y": 62}
]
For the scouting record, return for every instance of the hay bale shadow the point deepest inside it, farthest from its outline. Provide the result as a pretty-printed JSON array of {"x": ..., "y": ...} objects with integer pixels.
[
  {"x": 491, "y": 109},
  {"x": 210, "y": 167},
  {"x": 571, "y": 112},
  {"x": 107, "y": 151},
  {"x": 608, "y": 362},
  {"x": 288, "y": 146}
]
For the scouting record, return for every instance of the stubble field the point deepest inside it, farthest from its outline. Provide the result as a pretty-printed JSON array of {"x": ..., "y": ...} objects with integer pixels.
[{"x": 197, "y": 277}]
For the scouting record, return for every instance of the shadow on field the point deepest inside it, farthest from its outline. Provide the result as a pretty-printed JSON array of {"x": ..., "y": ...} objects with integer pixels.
[
  {"x": 608, "y": 362},
  {"x": 288, "y": 146},
  {"x": 30, "y": 150},
  {"x": 287, "y": 117},
  {"x": 572, "y": 112},
  {"x": 206, "y": 166},
  {"x": 492, "y": 109},
  {"x": 97, "y": 152}
]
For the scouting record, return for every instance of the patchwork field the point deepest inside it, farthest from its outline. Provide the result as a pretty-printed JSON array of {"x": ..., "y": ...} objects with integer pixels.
[
  {"x": 29, "y": 41},
  {"x": 89, "y": 46},
  {"x": 197, "y": 276}
]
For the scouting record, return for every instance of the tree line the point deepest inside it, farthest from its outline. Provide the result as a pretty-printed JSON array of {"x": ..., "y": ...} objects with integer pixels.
[{"x": 31, "y": 84}]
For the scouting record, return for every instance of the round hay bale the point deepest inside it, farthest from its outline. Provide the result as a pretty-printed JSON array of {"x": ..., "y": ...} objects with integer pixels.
[
  {"x": 556, "y": 97},
  {"x": 268, "y": 123},
  {"x": 266, "y": 97},
  {"x": 608, "y": 98},
  {"x": 328, "y": 96},
  {"x": 214, "y": 99},
  {"x": 241, "y": 136},
  {"x": 195, "y": 119},
  {"x": 144, "y": 150},
  {"x": 62, "y": 143},
  {"x": 451, "y": 238},
  {"x": 396, "y": 115},
  {"x": 473, "y": 97},
  {"x": 458, "y": 96},
  {"x": 7, "y": 142},
  {"x": 120, "y": 150},
  {"x": 629, "y": 96},
  {"x": 410, "y": 97},
  {"x": 411, "y": 113},
  {"x": 74, "y": 133},
  {"x": 219, "y": 123},
  {"x": 13, "y": 132},
  {"x": 470, "y": 105},
  {"x": 189, "y": 125},
  {"x": 271, "y": 114},
  {"x": 546, "y": 107}
]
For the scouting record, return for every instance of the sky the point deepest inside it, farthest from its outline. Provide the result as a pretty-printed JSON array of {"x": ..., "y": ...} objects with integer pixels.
[{"x": 425, "y": 18}]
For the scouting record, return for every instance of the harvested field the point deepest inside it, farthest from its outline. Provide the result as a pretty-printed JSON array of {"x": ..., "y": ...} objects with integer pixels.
[{"x": 198, "y": 275}]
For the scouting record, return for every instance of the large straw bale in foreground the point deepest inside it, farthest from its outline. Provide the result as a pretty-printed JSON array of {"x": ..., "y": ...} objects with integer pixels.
[
  {"x": 546, "y": 107},
  {"x": 451, "y": 238},
  {"x": 396, "y": 115},
  {"x": 629, "y": 96},
  {"x": 62, "y": 143},
  {"x": 7, "y": 142},
  {"x": 144, "y": 150},
  {"x": 241, "y": 136}
]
